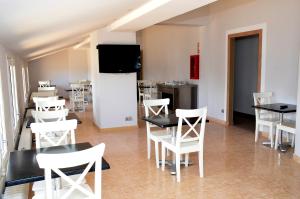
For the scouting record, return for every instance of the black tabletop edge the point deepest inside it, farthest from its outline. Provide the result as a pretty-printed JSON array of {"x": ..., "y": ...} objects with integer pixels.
[{"x": 74, "y": 171}]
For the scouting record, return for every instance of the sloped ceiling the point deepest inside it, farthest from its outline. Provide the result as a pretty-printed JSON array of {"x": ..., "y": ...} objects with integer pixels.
[{"x": 32, "y": 28}]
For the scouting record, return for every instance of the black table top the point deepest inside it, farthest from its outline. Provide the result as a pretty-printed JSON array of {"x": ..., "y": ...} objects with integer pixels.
[
  {"x": 70, "y": 116},
  {"x": 165, "y": 121},
  {"x": 278, "y": 107},
  {"x": 69, "y": 89},
  {"x": 23, "y": 167}
]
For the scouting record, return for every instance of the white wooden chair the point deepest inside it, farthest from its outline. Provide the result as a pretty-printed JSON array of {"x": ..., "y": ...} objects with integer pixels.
[
  {"x": 264, "y": 118},
  {"x": 157, "y": 135},
  {"x": 56, "y": 162},
  {"x": 184, "y": 142},
  {"x": 286, "y": 126},
  {"x": 144, "y": 92},
  {"x": 77, "y": 97},
  {"x": 51, "y": 98},
  {"x": 44, "y": 89},
  {"x": 64, "y": 132},
  {"x": 49, "y": 116},
  {"x": 50, "y": 105},
  {"x": 66, "y": 129},
  {"x": 45, "y": 83}
]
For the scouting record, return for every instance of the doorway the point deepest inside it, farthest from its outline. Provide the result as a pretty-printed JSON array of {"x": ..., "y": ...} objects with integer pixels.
[{"x": 244, "y": 77}]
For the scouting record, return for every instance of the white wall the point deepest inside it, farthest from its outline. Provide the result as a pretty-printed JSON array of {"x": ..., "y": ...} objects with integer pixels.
[
  {"x": 6, "y": 89},
  {"x": 282, "y": 19},
  {"x": 114, "y": 95},
  {"x": 61, "y": 68},
  {"x": 167, "y": 50},
  {"x": 78, "y": 64}
]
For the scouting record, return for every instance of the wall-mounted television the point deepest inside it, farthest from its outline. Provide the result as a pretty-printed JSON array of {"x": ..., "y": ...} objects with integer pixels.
[{"x": 119, "y": 58}]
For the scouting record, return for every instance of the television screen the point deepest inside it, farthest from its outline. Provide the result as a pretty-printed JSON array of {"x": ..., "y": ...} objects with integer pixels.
[{"x": 114, "y": 58}]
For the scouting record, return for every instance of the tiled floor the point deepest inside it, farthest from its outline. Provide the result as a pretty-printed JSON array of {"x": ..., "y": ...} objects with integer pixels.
[{"x": 235, "y": 167}]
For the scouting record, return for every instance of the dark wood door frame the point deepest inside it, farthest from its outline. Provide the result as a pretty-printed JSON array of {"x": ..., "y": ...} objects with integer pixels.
[{"x": 230, "y": 68}]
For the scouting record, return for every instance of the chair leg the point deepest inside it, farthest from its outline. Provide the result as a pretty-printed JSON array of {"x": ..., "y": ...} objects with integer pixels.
[
  {"x": 256, "y": 131},
  {"x": 201, "y": 166},
  {"x": 271, "y": 136},
  {"x": 178, "y": 167},
  {"x": 186, "y": 162},
  {"x": 276, "y": 139},
  {"x": 163, "y": 157},
  {"x": 156, "y": 154},
  {"x": 148, "y": 148}
]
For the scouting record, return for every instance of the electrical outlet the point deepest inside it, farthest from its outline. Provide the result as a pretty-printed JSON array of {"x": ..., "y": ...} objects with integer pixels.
[
  {"x": 222, "y": 110},
  {"x": 128, "y": 118}
]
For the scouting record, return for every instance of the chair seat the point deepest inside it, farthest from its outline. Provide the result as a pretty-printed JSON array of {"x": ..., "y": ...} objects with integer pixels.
[
  {"x": 40, "y": 185},
  {"x": 76, "y": 194},
  {"x": 159, "y": 134},
  {"x": 268, "y": 121},
  {"x": 288, "y": 126},
  {"x": 185, "y": 147}
]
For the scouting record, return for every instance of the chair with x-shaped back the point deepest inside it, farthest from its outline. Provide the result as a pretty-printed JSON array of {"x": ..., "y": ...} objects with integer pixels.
[
  {"x": 155, "y": 107},
  {"x": 189, "y": 141},
  {"x": 56, "y": 162}
]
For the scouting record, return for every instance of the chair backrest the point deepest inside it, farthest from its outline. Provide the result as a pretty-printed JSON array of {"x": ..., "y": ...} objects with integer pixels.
[
  {"x": 77, "y": 91},
  {"x": 64, "y": 132},
  {"x": 36, "y": 99},
  {"x": 45, "y": 83},
  {"x": 260, "y": 99},
  {"x": 155, "y": 107},
  {"x": 191, "y": 134},
  {"x": 50, "y": 105},
  {"x": 161, "y": 104},
  {"x": 49, "y": 116},
  {"x": 48, "y": 88},
  {"x": 55, "y": 162}
]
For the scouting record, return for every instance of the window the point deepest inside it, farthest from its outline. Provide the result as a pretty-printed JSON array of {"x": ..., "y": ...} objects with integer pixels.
[
  {"x": 24, "y": 84},
  {"x": 14, "y": 94},
  {"x": 27, "y": 75},
  {"x": 3, "y": 140}
]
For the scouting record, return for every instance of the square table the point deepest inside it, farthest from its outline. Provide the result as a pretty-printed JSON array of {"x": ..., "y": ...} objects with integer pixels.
[
  {"x": 166, "y": 121},
  {"x": 280, "y": 108},
  {"x": 70, "y": 116},
  {"x": 23, "y": 166}
]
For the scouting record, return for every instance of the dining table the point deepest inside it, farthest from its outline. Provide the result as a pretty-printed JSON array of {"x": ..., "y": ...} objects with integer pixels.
[
  {"x": 281, "y": 108},
  {"x": 23, "y": 167},
  {"x": 169, "y": 121}
]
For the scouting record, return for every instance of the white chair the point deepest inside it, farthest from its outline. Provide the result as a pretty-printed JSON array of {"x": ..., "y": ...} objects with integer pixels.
[
  {"x": 264, "y": 118},
  {"x": 156, "y": 136},
  {"x": 45, "y": 83},
  {"x": 77, "y": 97},
  {"x": 286, "y": 126},
  {"x": 64, "y": 132},
  {"x": 144, "y": 92},
  {"x": 49, "y": 116},
  {"x": 65, "y": 128},
  {"x": 184, "y": 142},
  {"x": 50, "y": 105},
  {"x": 56, "y": 162},
  {"x": 44, "y": 89},
  {"x": 51, "y": 98}
]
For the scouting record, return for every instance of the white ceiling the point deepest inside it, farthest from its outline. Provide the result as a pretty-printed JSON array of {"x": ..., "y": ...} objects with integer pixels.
[{"x": 32, "y": 28}]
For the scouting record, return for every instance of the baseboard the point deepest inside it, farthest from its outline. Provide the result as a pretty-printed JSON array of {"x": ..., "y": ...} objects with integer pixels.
[
  {"x": 296, "y": 158},
  {"x": 124, "y": 128},
  {"x": 218, "y": 121}
]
